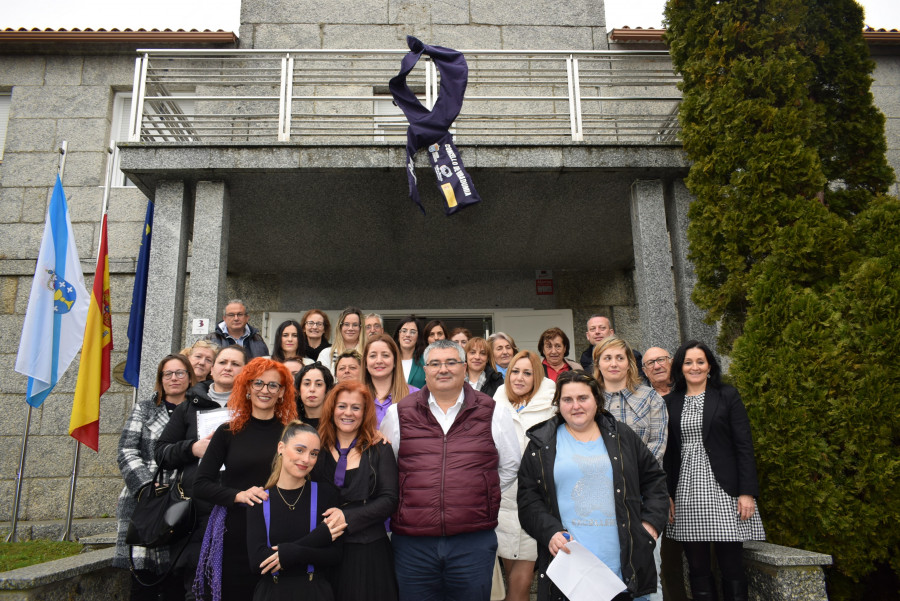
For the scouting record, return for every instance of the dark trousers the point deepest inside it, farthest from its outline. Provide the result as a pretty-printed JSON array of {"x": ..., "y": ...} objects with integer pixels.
[
  {"x": 445, "y": 568},
  {"x": 728, "y": 555}
]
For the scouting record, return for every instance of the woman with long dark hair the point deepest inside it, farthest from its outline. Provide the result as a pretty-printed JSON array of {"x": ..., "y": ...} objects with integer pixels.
[
  {"x": 711, "y": 473},
  {"x": 289, "y": 343},
  {"x": 312, "y": 384},
  {"x": 410, "y": 340}
]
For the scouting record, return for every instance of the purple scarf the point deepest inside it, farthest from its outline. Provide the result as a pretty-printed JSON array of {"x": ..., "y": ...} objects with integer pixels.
[
  {"x": 209, "y": 567},
  {"x": 431, "y": 128}
]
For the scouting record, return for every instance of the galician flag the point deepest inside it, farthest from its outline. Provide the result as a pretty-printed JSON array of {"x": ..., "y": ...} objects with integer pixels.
[
  {"x": 93, "y": 373},
  {"x": 57, "y": 307}
]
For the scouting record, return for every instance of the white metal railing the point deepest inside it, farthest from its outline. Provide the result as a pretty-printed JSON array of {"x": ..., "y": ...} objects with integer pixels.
[{"x": 322, "y": 96}]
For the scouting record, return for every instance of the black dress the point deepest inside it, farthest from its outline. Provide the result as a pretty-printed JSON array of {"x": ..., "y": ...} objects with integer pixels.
[
  {"x": 297, "y": 546},
  {"x": 368, "y": 497},
  {"x": 247, "y": 457}
]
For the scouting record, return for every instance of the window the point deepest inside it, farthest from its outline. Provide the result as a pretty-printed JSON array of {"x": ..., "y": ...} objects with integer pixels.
[
  {"x": 169, "y": 122},
  {"x": 119, "y": 133},
  {"x": 5, "y": 101}
]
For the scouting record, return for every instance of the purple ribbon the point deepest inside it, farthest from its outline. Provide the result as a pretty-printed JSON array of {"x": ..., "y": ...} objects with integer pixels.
[{"x": 340, "y": 471}]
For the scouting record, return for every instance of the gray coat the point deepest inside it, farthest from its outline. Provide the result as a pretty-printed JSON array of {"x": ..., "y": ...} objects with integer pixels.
[{"x": 139, "y": 435}]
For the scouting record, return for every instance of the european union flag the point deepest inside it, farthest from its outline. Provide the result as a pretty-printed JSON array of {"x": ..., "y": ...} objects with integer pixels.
[
  {"x": 57, "y": 307},
  {"x": 138, "y": 303}
]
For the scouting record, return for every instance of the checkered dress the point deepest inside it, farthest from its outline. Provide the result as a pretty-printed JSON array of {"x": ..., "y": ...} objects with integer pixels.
[{"x": 703, "y": 511}]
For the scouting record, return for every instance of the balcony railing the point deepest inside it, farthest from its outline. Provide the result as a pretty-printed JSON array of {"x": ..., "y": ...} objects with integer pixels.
[{"x": 326, "y": 96}]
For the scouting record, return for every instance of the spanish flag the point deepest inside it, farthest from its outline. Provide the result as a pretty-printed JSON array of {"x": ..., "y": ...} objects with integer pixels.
[{"x": 93, "y": 373}]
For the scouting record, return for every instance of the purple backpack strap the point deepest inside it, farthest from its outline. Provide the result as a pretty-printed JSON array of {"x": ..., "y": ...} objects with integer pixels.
[
  {"x": 267, "y": 516},
  {"x": 312, "y": 517}
]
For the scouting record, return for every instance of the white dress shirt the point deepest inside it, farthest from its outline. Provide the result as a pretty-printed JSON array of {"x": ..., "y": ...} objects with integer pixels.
[{"x": 503, "y": 432}]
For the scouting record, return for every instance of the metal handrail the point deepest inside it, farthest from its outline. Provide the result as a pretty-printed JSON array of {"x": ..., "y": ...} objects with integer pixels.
[{"x": 232, "y": 95}]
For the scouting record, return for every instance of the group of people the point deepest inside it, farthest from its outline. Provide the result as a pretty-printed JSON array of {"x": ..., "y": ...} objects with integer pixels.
[{"x": 412, "y": 466}]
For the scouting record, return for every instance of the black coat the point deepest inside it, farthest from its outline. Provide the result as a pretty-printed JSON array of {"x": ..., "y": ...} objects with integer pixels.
[
  {"x": 492, "y": 381},
  {"x": 367, "y": 501},
  {"x": 726, "y": 437},
  {"x": 640, "y": 497}
]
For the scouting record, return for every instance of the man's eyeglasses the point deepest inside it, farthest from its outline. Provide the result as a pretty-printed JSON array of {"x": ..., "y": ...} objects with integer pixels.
[
  {"x": 233, "y": 315},
  {"x": 271, "y": 386},
  {"x": 449, "y": 364},
  {"x": 659, "y": 361}
]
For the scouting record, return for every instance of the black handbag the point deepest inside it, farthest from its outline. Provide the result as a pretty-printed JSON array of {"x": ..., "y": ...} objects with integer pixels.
[{"x": 163, "y": 514}]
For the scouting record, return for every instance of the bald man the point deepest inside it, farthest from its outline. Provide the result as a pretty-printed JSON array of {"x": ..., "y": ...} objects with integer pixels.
[{"x": 657, "y": 362}]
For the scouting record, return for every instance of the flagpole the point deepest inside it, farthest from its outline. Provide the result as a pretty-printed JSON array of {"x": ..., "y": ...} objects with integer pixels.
[
  {"x": 71, "y": 509},
  {"x": 61, "y": 167}
]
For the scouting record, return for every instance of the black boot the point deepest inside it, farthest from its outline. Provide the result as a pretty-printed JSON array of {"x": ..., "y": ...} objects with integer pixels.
[
  {"x": 703, "y": 589},
  {"x": 735, "y": 590}
]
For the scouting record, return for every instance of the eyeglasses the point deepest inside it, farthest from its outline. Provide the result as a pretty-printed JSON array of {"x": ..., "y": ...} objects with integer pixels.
[
  {"x": 315, "y": 324},
  {"x": 178, "y": 373},
  {"x": 271, "y": 386},
  {"x": 659, "y": 361},
  {"x": 410, "y": 332},
  {"x": 233, "y": 315},
  {"x": 449, "y": 364}
]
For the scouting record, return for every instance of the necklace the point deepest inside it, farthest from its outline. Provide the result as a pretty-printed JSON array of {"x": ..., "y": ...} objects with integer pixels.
[
  {"x": 294, "y": 504},
  {"x": 591, "y": 437}
]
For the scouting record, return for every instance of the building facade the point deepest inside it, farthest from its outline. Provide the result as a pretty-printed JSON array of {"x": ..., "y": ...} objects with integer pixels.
[{"x": 579, "y": 215}]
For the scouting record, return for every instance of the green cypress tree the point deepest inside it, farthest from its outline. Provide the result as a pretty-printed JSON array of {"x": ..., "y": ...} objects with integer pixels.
[
  {"x": 799, "y": 255},
  {"x": 747, "y": 119}
]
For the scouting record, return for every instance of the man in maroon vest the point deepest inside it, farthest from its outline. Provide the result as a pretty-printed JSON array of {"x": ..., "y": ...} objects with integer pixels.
[{"x": 456, "y": 449}]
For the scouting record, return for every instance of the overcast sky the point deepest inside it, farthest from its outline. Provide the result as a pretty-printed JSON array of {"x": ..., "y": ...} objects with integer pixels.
[{"x": 225, "y": 14}]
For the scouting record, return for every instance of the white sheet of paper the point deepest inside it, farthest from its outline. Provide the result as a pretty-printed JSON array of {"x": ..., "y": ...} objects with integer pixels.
[
  {"x": 208, "y": 421},
  {"x": 581, "y": 576}
]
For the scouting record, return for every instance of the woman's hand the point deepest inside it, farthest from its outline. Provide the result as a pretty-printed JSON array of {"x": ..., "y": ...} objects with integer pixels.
[
  {"x": 558, "y": 543},
  {"x": 671, "y": 511},
  {"x": 746, "y": 507},
  {"x": 198, "y": 449},
  {"x": 650, "y": 530},
  {"x": 379, "y": 438},
  {"x": 251, "y": 496},
  {"x": 271, "y": 563},
  {"x": 336, "y": 530},
  {"x": 334, "y": 517}
]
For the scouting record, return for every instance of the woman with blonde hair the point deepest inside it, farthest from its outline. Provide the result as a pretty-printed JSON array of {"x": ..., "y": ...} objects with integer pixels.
[
  {"x": 350, "y": 335},
  {"x": 529, "y": 396},
  {"x": 201, "y": 355},
  {"x": 262, "y": 403},
  {"x": 285, "y": 546},
  {"x": 383, "y": 375},
  {"x": 364, "y": 469}
]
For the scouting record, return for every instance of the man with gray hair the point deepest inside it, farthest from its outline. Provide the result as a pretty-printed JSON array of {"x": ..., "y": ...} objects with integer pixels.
[
  {"x": 374, "y": 324},
  {"x": 234, "y": 329},
  {"x": 456, "y": 450}
]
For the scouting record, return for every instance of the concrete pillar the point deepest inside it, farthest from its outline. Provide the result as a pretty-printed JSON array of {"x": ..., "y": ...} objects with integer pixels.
[
  {"x": 653, "y": 283},
  {"x": 165, "y": 283},
  {"x": 209, "y": 255},
  {"x": 690, "y": 316}
]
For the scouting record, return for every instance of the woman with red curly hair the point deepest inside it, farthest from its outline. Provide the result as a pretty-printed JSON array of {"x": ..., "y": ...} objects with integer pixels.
[
  {"x": 262, "y": 403},
  {"x": 364, "y": 470}
]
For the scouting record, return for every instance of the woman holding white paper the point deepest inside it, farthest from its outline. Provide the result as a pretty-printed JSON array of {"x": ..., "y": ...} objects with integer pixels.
[{"x": 587, "y": 477}]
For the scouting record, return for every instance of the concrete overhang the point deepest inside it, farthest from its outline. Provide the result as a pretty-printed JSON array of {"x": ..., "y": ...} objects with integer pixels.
[{"x": 346, "y": 207}]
